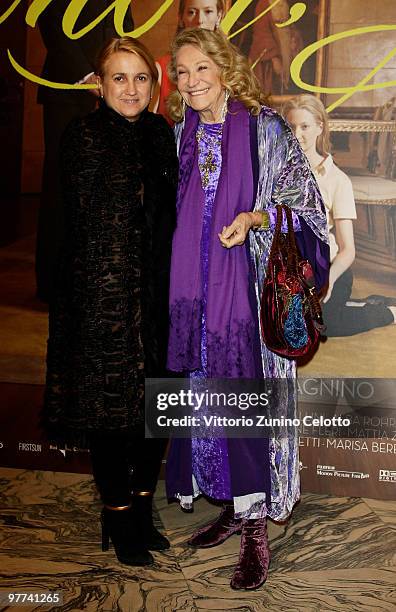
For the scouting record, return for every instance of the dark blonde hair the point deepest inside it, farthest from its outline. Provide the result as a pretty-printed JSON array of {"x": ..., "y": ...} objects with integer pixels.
[
  {"x": 313, "y": 105},
  {"x": 236, "y": 74},
  {"x": 220, "y": 6},
  {"x": 128, "y": 45}
]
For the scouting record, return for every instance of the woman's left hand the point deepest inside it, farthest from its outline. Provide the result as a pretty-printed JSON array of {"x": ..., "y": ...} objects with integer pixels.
[{"x": 235, "y": 234}]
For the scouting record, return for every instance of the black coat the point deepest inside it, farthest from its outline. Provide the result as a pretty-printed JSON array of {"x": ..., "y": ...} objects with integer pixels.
[{"x": 108, "y": 324}]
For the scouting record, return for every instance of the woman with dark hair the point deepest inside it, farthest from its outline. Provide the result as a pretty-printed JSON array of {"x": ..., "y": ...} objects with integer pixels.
[
  {"x": 238, "y": 159},
  {"x": 108, "y": 323}
]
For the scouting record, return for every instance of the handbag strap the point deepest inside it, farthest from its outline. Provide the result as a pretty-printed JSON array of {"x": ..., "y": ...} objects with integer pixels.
[
  {"x": 277, "y": 232},
  {"x": 292, "y": 256},
  {"x": 292, "y": 261}
]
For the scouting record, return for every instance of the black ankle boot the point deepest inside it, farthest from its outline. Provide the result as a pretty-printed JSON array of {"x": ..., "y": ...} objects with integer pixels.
[
  {"x": 142, "y": 516},
  {"x": 128, "y": 543}
]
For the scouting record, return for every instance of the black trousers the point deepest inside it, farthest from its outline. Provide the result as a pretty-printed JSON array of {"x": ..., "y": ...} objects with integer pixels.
[
  {"x": 343, "y": 320},
  {"x": 121, "y": 464}
]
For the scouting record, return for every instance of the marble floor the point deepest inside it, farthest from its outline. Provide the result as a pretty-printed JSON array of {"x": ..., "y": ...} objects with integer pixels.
[{"x": 334, "y": 554}]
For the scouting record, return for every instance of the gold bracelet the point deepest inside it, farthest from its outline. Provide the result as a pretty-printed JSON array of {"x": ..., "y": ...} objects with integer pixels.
[{"x": 265, "y": 222}]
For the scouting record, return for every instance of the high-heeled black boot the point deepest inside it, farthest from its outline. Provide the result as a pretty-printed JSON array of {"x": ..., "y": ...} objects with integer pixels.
[
  {"x": 129, "y": 545},
  {"x": 142, "y": 516}
]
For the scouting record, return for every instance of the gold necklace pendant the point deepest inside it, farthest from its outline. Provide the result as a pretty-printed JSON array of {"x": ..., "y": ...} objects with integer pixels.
[{"x": 209, "y": 165}]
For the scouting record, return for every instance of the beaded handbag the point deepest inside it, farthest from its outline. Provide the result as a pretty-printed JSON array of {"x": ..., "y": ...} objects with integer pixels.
[{"x": 291, "y": 316}]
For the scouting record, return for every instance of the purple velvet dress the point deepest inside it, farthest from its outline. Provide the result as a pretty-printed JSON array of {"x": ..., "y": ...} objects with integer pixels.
[
  {"x": 246, "y": 164},
  {"x": 209, "y": 455}
]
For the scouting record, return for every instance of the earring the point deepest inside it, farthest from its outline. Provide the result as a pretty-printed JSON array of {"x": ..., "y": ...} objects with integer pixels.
[
  {"x": 225, "y": 105},
  {"x": 184, "y": 106}
]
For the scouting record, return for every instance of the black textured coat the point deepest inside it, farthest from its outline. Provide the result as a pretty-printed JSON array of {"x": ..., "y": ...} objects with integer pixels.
[{"x": 108, "y": 324}]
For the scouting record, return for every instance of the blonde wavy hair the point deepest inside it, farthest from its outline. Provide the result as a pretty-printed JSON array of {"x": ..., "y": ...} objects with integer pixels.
[
  {"x": 313, "y": 105},
  {"x": 235, "y": 73}
]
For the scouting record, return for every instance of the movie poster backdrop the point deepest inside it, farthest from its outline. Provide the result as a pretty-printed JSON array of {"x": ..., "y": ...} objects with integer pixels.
[{"x": 343, "y": 52}]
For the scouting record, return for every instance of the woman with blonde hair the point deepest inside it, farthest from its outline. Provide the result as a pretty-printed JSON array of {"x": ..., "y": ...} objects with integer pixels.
[
  {"x": 205, "y": 14},
  {"x": 343, "y": 316},
  {"x": 108, "y": 321},
  {"x": 238, "y": 159}
]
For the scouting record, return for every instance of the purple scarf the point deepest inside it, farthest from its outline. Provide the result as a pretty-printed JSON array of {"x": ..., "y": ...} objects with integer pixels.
[{"x": 231, "y": 318}]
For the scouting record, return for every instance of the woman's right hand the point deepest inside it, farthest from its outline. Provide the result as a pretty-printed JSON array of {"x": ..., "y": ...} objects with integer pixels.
[{"x": 235, "y": 234}]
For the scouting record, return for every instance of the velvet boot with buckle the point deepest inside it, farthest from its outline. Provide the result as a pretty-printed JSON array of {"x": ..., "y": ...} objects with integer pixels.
[
  {"x": 252, "y": 568},
  {"x": 218, "y": 531}
]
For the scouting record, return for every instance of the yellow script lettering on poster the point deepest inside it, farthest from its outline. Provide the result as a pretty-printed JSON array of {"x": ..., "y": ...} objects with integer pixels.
[
  {"x": 297, "y": 10},
  {"x": 301, "y": 58},
  {"x": 120, "y": 7},
  {"x": 70, "y": 17}
]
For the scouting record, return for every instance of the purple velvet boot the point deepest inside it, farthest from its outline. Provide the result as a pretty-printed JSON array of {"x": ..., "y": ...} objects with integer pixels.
[
  {"x": 254, "y": 557},
  {"x": 217, "y": 532}
]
